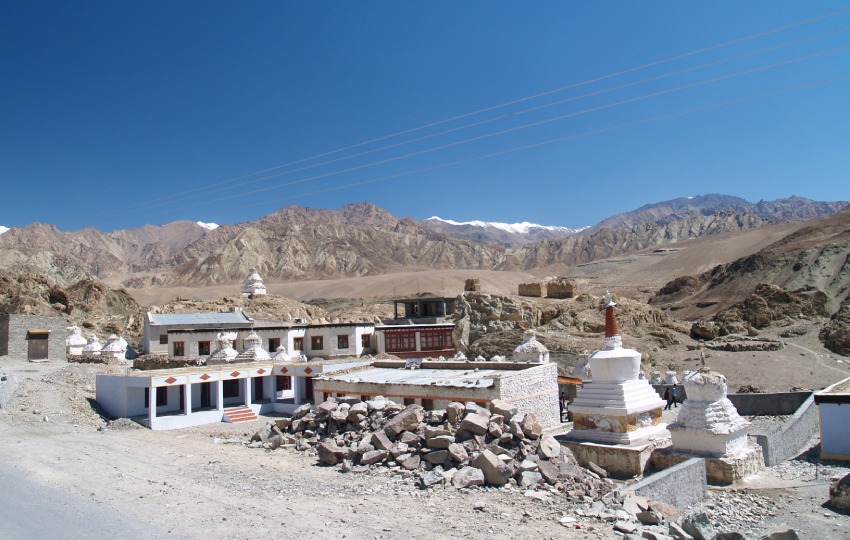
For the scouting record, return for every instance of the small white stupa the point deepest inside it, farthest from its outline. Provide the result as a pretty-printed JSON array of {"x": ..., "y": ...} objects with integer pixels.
[
  {"x": 75, "y": 342},
  {"x": 531, "y": 350},
  {"x": 253, "y": 284},
  {"x": 93, "y": 346},
  {"x": 224, "y": 353},
  {"x": 617, "y": 406},
  {"x": 115, "y": 347},
  {"x": 254, "y": 351},
  {"x": 708, "y": 423},
  {"x": 281, "y": 355}
]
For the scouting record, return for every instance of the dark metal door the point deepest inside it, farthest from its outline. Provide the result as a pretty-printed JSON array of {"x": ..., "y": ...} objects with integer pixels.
[{"x": 37, "y": 346}]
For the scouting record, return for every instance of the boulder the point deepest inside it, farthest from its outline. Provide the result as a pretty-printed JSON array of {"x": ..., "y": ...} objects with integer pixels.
[
  {"x": 503, "y": 408},
  {"x": 331, "y": 454},
  {"x": 408, "y": 419},
  {"x": 496, "y": 473},
  {"x": 436, "y": 457},
  {"x": 699, "y": 526},
  {"x": 454, "y": 411},
  {"x": 381, "y": 441},
  {"x": 530, "y": 479},
  {"x": 531, "y": 428},
  {"x": 549, "y": 448},
  {"x": 409, "y": 461},
  {"x": 458, "y": 453},
  {"x": 430, "y": 478},
  {"x": 374, "y": 456},
  {"x": 441, "y": 442},
  {"x": 839, "y": 493},
  {"x": 474, "y": 423},
  {"x": 468, "y": 477},
  {"x": 788, "y": 534}
]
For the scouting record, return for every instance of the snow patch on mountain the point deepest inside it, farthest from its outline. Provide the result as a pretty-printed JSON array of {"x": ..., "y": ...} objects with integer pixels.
[
  {"x": 520, "y": 228},
  {"x": 208, "y": 226},
  {"x": 3, "y": 229}
]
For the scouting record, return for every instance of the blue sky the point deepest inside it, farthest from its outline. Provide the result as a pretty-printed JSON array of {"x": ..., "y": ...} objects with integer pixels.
[{"x": 117, "y": 114}]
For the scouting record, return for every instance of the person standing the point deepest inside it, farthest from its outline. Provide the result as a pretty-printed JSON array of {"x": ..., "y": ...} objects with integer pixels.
[
  {"x": 673, "y": 396},
  {"x": 667, "y": 399},
  {"x": 562, "y": 404}
]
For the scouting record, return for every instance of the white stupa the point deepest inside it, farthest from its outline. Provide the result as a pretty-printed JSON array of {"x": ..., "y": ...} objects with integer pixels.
[
  {"x": 531, "y": 350},
  {"x": 75, "y": 342},
  {"x": 708, "y": 423},
  {"x": 224, "y": 353},
  {"x": 253, "y": 284},
  {"x": 115, "y": 347},
  {"x": 617, "y": 406},
  {"x": 93, "y": 346},
  {"x": 254, "y": 351},
  {"x": 281, "y": 355}
]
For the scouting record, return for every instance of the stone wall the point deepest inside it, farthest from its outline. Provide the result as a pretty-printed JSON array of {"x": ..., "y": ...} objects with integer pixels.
[
  {"x": 792, "y": 437},
  {"x": 472, "y": 285},
  {"x": 779, "y": 403},
  {"x": 681, "y": 485},
  {"x": 561, "y": 288},
  {"x": 537, "y": 290},
  {"x": 13, "y": 334},
  {"x": 533, "y": 390}
]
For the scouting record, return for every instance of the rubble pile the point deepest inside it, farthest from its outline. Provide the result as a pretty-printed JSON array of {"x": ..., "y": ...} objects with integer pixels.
[{"x": 464, "y": 445}]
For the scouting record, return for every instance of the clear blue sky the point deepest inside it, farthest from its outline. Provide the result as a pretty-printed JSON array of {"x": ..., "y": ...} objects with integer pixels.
[{"x": 117, "y": 114}]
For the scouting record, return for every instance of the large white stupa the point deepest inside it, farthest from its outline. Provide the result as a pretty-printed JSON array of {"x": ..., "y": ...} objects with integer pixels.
[
  {"x": 254, "y": 351},
  {"x": 224, "y": 353},
  {"x": 75, "y": 342},
  {"x": 617, "y": 406},
  {"x": 253, "y": 284},
  {"x": 531, "y": 350}
]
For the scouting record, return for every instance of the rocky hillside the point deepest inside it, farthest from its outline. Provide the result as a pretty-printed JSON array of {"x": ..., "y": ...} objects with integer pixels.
[
  {"x": 88, "y": 303},
  {"x": 790, "y": 209}
]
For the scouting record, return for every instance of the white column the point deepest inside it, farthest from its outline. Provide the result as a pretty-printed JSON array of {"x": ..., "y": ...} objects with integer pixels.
[
  {"x": 296, "y": 389},
  {"x": 249, "y": 387},
  {"x": 219, "y": 395},
  {"x": 187, "y": 398},
  {"x": 273, "y": 379},
  {"x": 418, "y": 336},
  {"x": 151, "y": 405}
]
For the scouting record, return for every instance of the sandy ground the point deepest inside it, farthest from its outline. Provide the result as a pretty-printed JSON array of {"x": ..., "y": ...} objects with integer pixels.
[{"x": 203, "y": 482}]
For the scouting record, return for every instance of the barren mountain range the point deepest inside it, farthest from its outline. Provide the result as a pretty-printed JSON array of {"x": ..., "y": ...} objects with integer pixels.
[
  {"x": 734, "y": 271},
  {"x": 361, "y": 239}
]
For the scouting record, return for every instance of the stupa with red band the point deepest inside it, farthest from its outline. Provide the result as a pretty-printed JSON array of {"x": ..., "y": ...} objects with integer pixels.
[{"x": 617, "y": 406}]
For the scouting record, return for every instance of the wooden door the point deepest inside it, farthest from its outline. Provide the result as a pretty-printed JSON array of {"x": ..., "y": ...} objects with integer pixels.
[
  {"x": 37, "y": 345},
  {"x": 258, "y": 388}
]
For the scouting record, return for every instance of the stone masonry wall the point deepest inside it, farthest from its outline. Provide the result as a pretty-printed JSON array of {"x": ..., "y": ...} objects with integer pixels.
[
  {"x": 15, "y": 327},
  {"x": 533, "y": 390},
  {"x": 792, "y": 437},
  {"x": 537, "y": 290}
]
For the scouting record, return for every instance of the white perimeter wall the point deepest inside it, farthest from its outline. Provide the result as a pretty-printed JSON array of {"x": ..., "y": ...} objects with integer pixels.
[{"x": 835, "y": 429}]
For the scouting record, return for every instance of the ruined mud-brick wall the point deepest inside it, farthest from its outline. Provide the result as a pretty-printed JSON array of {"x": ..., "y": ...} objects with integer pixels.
[
  {"x": 537, "y": 290},
  {"x": 561, "y": 288},
  {"x": 13, "y": 334},
  {"x": 533, "y": 390},
  {"x": 472, "y": 285}
]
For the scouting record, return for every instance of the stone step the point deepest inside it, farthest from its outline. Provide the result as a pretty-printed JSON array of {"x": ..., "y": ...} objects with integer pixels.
[{"x": 239, "y": 414}]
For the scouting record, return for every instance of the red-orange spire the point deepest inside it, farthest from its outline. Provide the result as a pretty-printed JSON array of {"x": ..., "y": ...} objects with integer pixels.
[{"x": 612, "y": 330}]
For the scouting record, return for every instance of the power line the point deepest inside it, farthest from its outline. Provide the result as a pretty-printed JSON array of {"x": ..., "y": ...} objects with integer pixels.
[
  {"x": 524, "y": 126},
  {"x": 498, "y": 106}
]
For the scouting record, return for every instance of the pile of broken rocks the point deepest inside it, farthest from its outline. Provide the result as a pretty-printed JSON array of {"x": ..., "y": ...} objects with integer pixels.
[
  {"x": 463, "y": 445},
  {"x": 467, "y": 445}
]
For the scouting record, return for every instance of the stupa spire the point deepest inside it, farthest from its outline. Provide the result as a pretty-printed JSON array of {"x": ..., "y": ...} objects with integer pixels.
[{"x": 612, "y": 330}]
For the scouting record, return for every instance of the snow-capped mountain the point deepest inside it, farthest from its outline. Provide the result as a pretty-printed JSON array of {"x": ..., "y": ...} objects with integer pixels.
[
  {"x": 507, "y": 234},
  {"x": 3, "y": 229},
  {"x": 208, "y": 226}
]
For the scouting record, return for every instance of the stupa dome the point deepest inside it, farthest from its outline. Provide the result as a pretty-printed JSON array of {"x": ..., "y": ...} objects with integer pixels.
[
  {"x": 253, "y": 284},
  {"x": 253, "y": 352},
  {"x": 531, "y": 350}
]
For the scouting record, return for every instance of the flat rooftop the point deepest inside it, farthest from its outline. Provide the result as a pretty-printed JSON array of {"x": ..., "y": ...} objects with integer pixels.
[{"x": 468, "y": 378}]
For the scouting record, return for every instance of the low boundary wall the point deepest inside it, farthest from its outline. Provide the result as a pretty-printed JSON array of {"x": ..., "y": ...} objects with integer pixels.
[
  {"x": 8, "y": 386},
  {"x": 681, "y": 485},
  {"x": 778, "y": 403},
  {"x": 791, "y": 438}
]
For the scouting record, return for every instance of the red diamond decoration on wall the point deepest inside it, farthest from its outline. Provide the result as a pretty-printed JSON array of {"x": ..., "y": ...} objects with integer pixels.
[
  {"x": 308, "y": 371},
  {"x": 204, "y": 377},
  {"x": 171, "y": 380},
  {"x": 261, "y": 371},
  {"x": 284, "y": 370},
  {"x": 234, "y": 374}
]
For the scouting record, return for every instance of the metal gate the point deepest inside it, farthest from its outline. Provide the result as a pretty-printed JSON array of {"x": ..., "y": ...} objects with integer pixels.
[{"x": 38, "y": 341}]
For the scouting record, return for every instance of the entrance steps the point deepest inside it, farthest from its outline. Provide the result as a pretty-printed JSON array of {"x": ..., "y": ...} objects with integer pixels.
[{"x": 239, "y": 414}]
